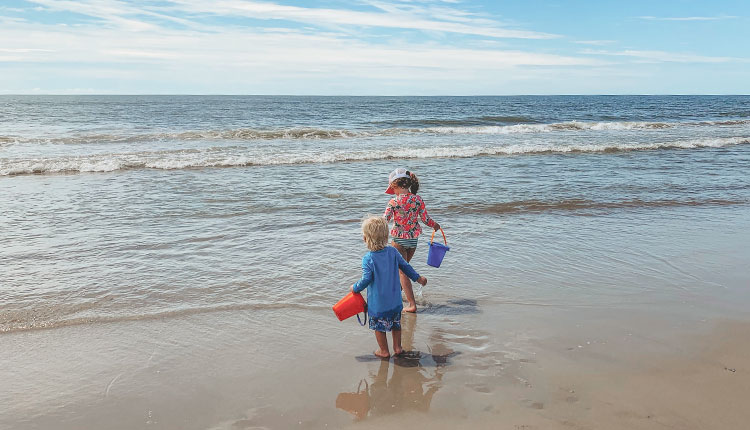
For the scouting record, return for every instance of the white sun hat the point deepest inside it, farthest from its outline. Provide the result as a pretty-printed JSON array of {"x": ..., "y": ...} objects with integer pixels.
[{"x": 396, "y": 174}]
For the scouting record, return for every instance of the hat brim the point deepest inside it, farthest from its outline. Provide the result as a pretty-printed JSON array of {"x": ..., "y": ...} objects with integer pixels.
[{"x": 390, "y": 190}]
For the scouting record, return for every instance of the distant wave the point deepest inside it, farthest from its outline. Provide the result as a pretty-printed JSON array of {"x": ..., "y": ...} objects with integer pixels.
[
  {"x": 579, "y": 126},
  {"x": 234, "y": 157},
  {"x": 553, "y": 127},
  {"x": 535, "y": 206},
  {"x": 471, "y": 121},
  {"x": 440, "y": 127},
  {"x": 240, "y": 134}
]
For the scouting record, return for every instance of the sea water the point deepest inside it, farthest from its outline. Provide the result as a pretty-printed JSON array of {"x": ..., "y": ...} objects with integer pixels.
[{"x": 127, "y": 207}]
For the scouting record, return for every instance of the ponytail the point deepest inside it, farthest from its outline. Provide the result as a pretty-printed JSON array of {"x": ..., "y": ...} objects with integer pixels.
[
  {"x": 411, "y": 183},
  {"x": 414, "y": 187}
]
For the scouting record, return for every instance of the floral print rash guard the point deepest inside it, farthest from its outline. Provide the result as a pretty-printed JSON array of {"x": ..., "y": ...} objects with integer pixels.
[{"x": 406, "y": 210}]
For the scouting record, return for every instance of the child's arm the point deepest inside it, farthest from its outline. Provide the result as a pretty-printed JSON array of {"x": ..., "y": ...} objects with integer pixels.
[
  {"x": 388, "y": 214},
  {"x": 425, "y": 217},
  {"x": 409, "y": 271},
  {"x": 367, "y": 275}
]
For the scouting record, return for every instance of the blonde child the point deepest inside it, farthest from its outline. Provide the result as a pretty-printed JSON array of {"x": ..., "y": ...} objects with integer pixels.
[
  {"x": 406, "y": 209},
  {"x": 380, "y": 275}
]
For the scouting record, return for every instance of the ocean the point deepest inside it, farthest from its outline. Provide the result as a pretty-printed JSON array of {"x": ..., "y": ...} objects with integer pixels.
[{"x": 208, "y": 215}]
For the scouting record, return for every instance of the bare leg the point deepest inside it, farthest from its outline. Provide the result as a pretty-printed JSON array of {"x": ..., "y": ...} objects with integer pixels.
[
  {"x": 409, "y": 254},
  {"x": 397, "y": 349},
  {"x": 405, "y": 281},
  {"x": 383, "y": 351},
  {"x": 408, "y": 292}
]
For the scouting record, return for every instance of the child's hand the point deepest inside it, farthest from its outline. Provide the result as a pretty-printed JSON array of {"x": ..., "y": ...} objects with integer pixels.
[
  {"x": 436, "y": 226},
  {"x": 422, "y": 280},
  {"x": 351, "y": 288}
]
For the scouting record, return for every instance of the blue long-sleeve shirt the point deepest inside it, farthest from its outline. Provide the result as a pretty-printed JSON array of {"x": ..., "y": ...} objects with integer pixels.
[{"x": 380, "y": 277}]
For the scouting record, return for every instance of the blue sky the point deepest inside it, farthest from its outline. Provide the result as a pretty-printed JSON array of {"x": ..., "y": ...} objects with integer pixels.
[{"x": 389, "y": 47}]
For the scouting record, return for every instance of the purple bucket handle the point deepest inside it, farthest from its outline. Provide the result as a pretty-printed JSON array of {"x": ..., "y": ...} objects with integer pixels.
[{"x": 437, "y": 251}]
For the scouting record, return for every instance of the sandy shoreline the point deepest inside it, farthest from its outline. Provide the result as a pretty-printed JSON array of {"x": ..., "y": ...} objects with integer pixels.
[{"x": 471, "y": 364}]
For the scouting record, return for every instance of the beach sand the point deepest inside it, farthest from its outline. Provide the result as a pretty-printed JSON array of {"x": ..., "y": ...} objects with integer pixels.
[{"x": 471, "y": 364}]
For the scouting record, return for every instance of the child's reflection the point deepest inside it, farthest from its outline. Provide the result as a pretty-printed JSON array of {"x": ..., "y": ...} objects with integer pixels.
[
  {"x": 408, "y": 388},
  {"x": 414, "y": 381}
]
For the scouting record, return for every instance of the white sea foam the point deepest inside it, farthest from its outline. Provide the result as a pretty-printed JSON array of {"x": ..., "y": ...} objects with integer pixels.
[
  {"x": 548, "y": 128},
  {"x": 249, "y": 134},
  {"x": 232, "y": 157}
]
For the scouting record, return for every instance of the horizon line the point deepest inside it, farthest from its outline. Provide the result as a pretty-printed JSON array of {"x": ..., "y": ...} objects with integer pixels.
[{"x": 373, "y": 95}]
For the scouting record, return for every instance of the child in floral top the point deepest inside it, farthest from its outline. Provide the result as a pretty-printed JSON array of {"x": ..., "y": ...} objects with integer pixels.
[{"x": 406, "y": 209}]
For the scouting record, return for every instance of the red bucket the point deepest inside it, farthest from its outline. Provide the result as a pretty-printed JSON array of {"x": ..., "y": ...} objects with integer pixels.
[{"x": 350, "y": 305}]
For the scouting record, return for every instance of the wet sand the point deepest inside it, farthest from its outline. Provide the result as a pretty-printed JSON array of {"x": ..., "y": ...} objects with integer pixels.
[
  {"x": 478, "y": 364},
  {"x": 702, "y": 384}
]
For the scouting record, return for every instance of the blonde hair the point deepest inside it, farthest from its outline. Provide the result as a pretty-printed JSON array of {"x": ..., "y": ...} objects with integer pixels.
[{"x": 375, "y": 231}]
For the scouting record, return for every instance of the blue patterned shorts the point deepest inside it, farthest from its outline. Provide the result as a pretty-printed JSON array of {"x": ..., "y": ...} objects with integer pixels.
[{"x": 386, "y": 323}]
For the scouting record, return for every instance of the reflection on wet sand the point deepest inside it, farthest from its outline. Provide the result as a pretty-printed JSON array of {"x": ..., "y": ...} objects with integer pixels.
[
  {"x": 451, "y": 307},
  {"x": 415, "y": 379}
]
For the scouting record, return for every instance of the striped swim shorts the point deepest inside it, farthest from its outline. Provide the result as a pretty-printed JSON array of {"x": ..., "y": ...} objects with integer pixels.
[{"x": 406, "y": 243}]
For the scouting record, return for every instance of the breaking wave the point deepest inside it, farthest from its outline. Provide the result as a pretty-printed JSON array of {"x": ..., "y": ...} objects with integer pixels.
[
  {"x": 241, "y": 156},
  {"x": 240, "y": 134},
  {"x": 472, "y": 121},
  {"x": 440, "y": 127}
]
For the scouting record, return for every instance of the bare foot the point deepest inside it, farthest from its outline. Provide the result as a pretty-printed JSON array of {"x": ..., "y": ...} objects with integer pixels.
[
  {"x": 411, "y": 309},
  {"x": 380, "y": 354},
  {"x": 398, "y": 351}
]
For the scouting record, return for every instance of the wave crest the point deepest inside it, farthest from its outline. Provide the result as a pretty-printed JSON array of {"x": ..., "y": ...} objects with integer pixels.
[
  {"x": 441, "y": 127},
  {"x": 238, "y": 156}
]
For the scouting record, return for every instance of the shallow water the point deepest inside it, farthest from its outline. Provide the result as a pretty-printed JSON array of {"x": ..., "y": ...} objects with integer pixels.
[
  {"x": 148, "y": 243},
  {"x": 152, "y": 231}
]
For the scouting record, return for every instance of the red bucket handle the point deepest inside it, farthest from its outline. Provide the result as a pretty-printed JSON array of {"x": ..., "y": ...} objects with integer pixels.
[{"x": 433, "y": 236}]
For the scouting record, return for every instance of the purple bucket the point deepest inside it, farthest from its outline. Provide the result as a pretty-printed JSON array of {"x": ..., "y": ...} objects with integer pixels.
[{"x": 437, "y": 251}]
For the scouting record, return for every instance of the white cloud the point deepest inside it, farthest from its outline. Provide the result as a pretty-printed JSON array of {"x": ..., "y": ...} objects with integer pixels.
[
  {"x": 183, "y": 46},
  {"x": 594, "y": 42},
  {"x": 24, "y": 50},
  {"x": 664, "y": 56},
  {"x": 8, "y": 20},
  {"x": 410, "y": 17},
  {"x": 119, "y": 59},
  {"x": 242, "y": 48},
  {"x": 113, "y": 13},
  {"x": 12, "y": 9},
  {"x": 687, "y": 18},
  {"x": 124, "y": 34}
]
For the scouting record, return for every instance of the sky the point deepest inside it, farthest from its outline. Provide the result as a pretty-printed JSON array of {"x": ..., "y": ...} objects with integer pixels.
[{"x": 374, "y": 47}]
